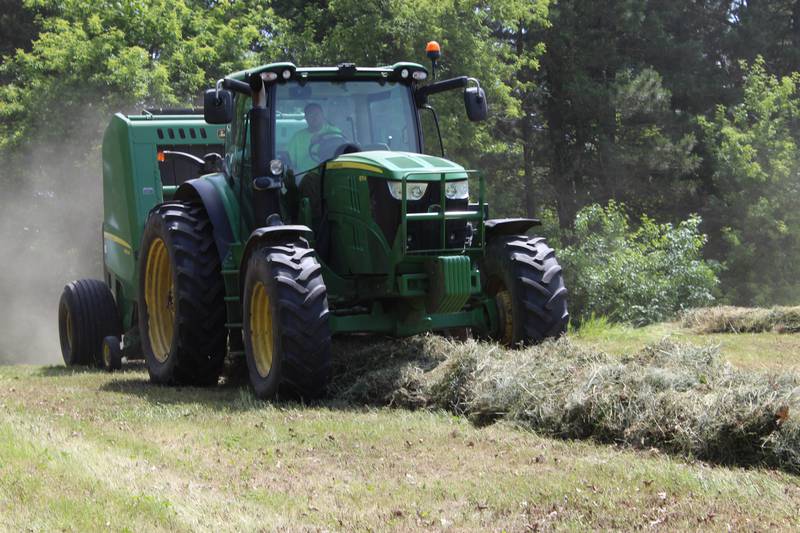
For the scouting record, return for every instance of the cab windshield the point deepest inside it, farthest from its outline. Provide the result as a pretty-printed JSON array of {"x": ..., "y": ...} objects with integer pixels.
[{"x": 321, "y": 120}]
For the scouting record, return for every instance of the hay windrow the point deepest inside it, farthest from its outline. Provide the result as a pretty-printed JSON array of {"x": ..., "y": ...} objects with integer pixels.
[
  {"x": 680, "y": 398},
  {"x": 728, "y": 319}
]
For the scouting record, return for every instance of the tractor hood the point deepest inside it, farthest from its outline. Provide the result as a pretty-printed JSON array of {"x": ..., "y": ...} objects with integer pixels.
[{"x": 395, "y": 165}]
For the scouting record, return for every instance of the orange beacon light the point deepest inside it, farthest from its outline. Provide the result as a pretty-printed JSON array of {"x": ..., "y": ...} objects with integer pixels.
[{"x": 434, "y": 52}]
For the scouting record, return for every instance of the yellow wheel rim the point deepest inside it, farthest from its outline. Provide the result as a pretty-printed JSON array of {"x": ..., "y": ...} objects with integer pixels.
[
  {"x": 261, "y": 333},
  {"x": 506, "y": 317},
  {"x": 160, "y": 300},
  {"x": 106, "y": 355}
]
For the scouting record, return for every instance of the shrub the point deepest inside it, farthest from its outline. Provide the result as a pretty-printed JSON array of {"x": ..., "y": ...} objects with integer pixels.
[{"x": 637, "y": 275}]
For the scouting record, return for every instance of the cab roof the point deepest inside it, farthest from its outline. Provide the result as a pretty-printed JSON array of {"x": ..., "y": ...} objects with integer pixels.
[{"x": 343, "y": 71}]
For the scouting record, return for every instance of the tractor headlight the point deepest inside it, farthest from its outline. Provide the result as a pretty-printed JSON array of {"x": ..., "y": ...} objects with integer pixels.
[
  {"x": 457, "y": 190},
  {"x": 414, "y": 190},
  {"x": 276, "y": 167}
]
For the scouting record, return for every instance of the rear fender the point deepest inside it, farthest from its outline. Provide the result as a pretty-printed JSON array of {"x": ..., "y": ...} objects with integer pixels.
[
  {"x": 269, "y": 235},
  {"x": 220, "y": 204}
]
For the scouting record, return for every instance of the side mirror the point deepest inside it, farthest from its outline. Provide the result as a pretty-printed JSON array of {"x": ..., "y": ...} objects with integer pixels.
[
  {"x": 218, "y": 106},
  {"x": 475, "y": 102}
]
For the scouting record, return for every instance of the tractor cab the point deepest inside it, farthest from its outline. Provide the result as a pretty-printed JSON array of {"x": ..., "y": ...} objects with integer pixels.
[{"x": 316, "y": 114}]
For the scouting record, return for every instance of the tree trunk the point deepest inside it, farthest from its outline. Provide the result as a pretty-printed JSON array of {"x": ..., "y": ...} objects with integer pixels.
[
  {"x": 527, "y": 167},
  {"x": 795, "y": 36},
  {"x": 561, "y": 176}
]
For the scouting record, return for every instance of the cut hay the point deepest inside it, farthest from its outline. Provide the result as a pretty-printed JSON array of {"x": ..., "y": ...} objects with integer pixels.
[
  {"x": 728, "y": 319},
  {"x": 679, "y": 398}
]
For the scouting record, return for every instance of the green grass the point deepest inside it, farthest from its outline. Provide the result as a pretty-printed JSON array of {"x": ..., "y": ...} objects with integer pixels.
[
  {"x": 756, "y": 351},
  {"x": 85, "y": 450}
]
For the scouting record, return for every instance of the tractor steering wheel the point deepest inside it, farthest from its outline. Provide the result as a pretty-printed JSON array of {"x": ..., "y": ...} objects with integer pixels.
[{"x": 324, "y": 145}]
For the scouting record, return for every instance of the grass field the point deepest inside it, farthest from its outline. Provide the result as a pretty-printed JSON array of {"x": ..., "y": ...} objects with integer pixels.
[
  {"x": 754, "y": 351},
  {"x": 85, "y": 450}
]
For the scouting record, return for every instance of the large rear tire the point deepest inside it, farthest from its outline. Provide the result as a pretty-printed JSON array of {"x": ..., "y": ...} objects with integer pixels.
[
  {"x": 525, "y": 281},
  {"x": 87, "y": 313},
  {"x": 286, "y": 332},
  {"x": 181, "y": 297}
]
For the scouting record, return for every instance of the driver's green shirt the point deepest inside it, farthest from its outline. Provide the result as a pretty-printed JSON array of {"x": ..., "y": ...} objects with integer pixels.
[{"x": 299, "y": 144}]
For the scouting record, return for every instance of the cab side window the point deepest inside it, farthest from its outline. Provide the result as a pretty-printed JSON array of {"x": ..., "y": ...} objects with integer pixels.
[{"x": 237, "y": 139}]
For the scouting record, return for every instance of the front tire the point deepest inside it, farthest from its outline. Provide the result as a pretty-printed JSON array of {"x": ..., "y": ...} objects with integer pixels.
[
  {"x": 286, "y": 332},
  {"x": 181, "y": 297},
  {"x": 86, "y": 314},
  {"x": 525, "y": 281}
]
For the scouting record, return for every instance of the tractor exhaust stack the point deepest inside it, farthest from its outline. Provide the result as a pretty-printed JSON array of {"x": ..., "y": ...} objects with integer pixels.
[{"x": 266, "y": 188}]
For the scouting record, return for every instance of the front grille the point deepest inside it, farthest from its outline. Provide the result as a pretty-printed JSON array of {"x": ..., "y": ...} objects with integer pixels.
[{"x": 421, "y": 235}]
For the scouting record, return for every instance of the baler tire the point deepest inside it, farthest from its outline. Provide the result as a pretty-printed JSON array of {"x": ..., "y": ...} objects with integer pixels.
[
  {"x": 86, "y": 314},
  {"x": 179, "y": 268},
  {"x": 525, "y": 280},
  {"x": 112, "y": 354},
  {"x": 287, "y": 336}
]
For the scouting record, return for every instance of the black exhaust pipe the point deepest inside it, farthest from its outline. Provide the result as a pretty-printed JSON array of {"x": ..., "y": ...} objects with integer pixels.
[{"x": 266, "y": 188}]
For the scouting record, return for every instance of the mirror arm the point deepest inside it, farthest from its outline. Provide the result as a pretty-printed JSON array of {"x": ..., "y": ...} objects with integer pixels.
[
  {"x": 423, "y": 93},
  {"x": 235, "y": 86}
]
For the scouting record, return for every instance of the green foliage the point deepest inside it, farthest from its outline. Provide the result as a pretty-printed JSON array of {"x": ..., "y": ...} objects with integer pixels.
[
  {"x": 638, "y": 275},
  {"x": 17, "y": 26},
  {"x": 756, "y": 178},
  {"x": 646, "y": 152},
  {"x": 114, "y": 55},
  {"x": 612, "y": 130}
]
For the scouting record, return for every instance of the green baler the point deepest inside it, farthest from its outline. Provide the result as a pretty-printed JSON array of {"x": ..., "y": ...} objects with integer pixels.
[
  {"x": 136, "y": 179},
  {"x": 323, "y": 216}
]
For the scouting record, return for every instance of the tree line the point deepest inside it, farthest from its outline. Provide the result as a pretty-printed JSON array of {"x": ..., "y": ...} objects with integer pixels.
[{"x": 669, "y": 109}]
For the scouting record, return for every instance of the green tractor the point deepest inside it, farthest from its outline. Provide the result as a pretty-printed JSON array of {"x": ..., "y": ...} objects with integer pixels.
[{"x": 320, "y": 215}]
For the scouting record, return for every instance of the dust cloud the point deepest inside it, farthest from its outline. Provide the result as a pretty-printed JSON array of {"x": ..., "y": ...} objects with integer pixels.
[{"x": 50, "y": 233}]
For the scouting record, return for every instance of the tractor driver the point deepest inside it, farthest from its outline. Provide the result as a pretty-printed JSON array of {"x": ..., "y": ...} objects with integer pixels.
[{"x": 301, "y": 141}]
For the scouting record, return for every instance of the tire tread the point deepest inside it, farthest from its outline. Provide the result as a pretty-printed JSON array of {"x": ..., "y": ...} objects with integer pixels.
[
  {"x": 302, "y": 319},
  {"x": 199, "y": 296},
  {"x": 528, "y": 267},
  {"x": 94, "y": 317}
]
